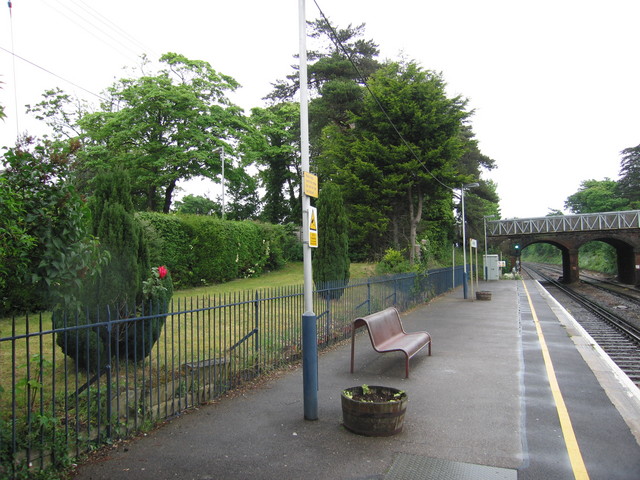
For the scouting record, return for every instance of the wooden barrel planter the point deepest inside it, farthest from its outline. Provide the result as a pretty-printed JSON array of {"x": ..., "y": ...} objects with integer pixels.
[
  {"x": 381, "y": 417},
  {"x": 483, "y": 295}
]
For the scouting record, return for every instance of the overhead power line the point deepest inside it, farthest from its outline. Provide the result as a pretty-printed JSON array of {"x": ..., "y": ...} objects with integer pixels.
[
  {"x": 76, "y": 17},
  {"x": 52, "y": 73},
  {"x": 115, "y": 27}
]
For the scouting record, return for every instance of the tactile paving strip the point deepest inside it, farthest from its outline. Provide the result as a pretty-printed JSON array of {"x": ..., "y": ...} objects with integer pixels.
[{"x": 416, "y": 467}]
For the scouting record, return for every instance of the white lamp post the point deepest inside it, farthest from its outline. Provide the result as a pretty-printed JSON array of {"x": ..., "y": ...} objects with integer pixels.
[
  {"x": 486, "y": 270},
  {"x": 464, "y": 240}
]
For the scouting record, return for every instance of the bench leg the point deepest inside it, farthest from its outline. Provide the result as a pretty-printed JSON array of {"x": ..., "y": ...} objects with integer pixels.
[{"x": 406, "y": 368}]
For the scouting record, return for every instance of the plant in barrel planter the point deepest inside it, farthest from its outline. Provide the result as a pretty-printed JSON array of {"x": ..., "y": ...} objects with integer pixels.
[
  {"x": 483, "y": 295},
  {"x": 374, "y": 411}
]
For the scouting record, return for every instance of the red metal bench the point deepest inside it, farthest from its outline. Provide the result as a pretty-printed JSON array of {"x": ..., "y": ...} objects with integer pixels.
[{"x": 387, "y": 335}]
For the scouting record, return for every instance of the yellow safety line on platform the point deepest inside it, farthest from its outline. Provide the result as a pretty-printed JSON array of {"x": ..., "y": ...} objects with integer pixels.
[{"x": 575, "y": 457}]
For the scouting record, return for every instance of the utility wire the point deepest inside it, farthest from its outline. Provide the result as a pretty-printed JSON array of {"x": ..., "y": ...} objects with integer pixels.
[
  {"x": 340, "y": 46},
  {"x": 51, "y": 73},
  {"x": 82, "y": 12},
  {"x": 93, "y": 30},
  {"x": 113, "y": 26}
]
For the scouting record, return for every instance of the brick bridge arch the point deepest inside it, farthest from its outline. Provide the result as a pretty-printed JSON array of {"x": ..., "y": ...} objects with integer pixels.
[{"x": 568, "y": 233}]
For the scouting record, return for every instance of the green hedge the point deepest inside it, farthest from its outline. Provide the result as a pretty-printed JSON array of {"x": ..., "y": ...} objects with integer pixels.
[{"x": 202, "y": 250}]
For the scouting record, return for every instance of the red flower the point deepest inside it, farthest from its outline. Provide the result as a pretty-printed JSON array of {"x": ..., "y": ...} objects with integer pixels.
[{"x": 162, "y": 271}]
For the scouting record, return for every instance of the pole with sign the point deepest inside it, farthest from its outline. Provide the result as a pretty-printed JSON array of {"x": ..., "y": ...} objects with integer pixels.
[
  {"x": 313, "y": 227},
  {"x": 309, "y": 328},
  {"x": 473, "y": 243}
]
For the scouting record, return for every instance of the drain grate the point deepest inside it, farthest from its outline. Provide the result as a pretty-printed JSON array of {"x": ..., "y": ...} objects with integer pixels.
[{"x": 416, "y": 467}]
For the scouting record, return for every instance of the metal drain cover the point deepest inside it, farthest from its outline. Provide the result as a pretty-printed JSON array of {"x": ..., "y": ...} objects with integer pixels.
[{"x": 416, "y": 467}]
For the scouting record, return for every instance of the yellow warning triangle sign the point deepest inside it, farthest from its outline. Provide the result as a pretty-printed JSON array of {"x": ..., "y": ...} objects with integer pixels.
[{"x": 312, "y": 222}]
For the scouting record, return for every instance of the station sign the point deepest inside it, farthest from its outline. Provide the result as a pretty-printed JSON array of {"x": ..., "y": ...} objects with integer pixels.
[
  {"x": 313, "y": 227},
  {"x": 310, "y": 182},
  {"x": 473, "y": 242}
]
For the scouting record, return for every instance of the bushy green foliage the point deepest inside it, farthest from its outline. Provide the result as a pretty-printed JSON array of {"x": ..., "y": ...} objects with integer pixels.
[
  {"x": 46, "y": 250},
  {"x": 165, "y": 126},
  {"x": 224, "y": 250},
  {"x": 393, "y": 262},
  {"x": 284, "y": 245},
  {"x": 170, "y": 243},
  {"x": 391, "y": 181},
  {"x": 200, "y": 249},
  {"x": 197, "y": 205},
  {"x": 598, "y": 256},
  {"x": 597, "y": 196},
  {"x": 15, "y": 242}
]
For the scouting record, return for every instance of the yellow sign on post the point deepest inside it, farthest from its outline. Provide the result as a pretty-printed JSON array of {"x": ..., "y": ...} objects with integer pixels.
[
  {"x": 310, "y": 184},
  {"x": 313, "y": 227}
]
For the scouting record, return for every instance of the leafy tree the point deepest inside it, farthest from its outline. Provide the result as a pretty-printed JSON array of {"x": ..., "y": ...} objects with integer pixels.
[
  {"x": 329, "y": 62},
  {"x": 392, "y": 179},
  {"x": 338, "y": 73},
  {"x": 243, "y": 202},
  {"x": 337, "y": 70},
  {"x": 197, "y": 205},
  {"x": 336, "y": 91},
  {"x": 381, "y": 213},
  {"x": 164, "y": 128},
  {"x": 61, "y": 112},
  {"x": 273, "y": 146},
  {"x": 15, "y": 241},
  {"x": 629, "y": 183},
  {"x": 482, "y": 200},
  {"x": 331, "y": 258},
  {"x": 46, "y": 244},
  {"x": 597, "y": 196}
]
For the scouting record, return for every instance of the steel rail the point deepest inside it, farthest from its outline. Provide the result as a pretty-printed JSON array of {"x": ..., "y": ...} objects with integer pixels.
[{"x": 602, "y": 312}]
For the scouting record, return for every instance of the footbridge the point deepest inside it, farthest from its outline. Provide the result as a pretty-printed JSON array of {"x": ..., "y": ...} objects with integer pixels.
[{"x": 621, "y": 230}]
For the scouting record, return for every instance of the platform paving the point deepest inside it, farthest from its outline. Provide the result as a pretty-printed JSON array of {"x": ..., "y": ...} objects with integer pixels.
[{"x": 479, "y": 407}]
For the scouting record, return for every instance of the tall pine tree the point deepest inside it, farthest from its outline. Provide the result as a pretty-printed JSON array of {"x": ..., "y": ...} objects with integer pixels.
[
  {"x": 120, "y": 284},
  {"x": 331, "y": 258}
]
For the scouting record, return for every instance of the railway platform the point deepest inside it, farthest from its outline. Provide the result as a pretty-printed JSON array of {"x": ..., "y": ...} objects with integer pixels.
[{"x": 514, "y": 389}]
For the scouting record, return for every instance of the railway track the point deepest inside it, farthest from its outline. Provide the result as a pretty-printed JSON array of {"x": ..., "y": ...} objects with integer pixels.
[
  {"x": 623, "y": 291},
  {"x": 617, "y": 331}
]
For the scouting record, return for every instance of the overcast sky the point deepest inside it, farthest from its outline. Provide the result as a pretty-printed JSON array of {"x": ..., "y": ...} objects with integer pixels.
[{"x": 555, "y": 84}]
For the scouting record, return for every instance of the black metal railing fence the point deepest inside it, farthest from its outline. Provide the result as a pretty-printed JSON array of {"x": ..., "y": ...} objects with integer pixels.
[{"x": 121, "y": 375}]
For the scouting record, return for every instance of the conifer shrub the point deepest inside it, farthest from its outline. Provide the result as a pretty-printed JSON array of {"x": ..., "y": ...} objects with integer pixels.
[
  {"x": 125, "y": 288},
  {"x": 331, "y": 259}
]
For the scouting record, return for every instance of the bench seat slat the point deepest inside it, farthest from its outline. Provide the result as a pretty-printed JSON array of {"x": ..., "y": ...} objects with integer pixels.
[{"x": 410, "y": 343}]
